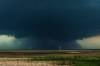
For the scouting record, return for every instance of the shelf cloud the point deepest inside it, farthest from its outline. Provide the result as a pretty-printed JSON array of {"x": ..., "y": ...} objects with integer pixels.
[
  {"x": 9, "y": 42},
  {"x": 89, "y": 43}
]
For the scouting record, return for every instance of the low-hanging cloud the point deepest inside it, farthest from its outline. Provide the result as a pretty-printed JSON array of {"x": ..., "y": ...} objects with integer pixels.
[
  {"x": 12, "y": 43},
  {"x": 89, "y": 43}
]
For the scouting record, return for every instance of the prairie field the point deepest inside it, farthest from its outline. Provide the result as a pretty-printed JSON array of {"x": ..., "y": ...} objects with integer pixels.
[{"x": 62, "y": 58}]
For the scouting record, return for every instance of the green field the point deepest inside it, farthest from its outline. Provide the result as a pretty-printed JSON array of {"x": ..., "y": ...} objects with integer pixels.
[
  {"x": 86, "y": 58},
  {"x": 70, "y": 60}
]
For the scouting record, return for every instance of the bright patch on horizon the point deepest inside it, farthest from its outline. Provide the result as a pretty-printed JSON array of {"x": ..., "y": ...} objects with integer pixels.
[
  {"x": 90, "y": 42},
  {"x": 10, "y": 42},
  {"x": 6, "y": 38}
]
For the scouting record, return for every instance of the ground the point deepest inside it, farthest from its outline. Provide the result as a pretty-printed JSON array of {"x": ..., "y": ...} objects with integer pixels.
[{"x": 50, "y": 58}]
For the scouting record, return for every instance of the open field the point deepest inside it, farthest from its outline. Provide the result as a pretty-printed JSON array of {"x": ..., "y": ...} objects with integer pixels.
[{"x": 50, "y": 58}]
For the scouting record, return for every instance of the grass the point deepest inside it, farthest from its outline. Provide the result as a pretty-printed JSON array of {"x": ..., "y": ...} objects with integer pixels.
[
  {"x": 86, "y": 61},
  {"x": 64, "y": 59},
  {"x": 73, "y": 61}
]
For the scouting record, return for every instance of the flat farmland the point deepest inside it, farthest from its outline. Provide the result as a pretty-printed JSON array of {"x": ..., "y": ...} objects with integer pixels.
[{"x": 50, "y": 58}]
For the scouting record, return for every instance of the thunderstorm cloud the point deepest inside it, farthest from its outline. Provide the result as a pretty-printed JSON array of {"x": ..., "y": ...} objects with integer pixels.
[
  {"x": 89, "y": 43},
  {"x": 9, "y": 42}
]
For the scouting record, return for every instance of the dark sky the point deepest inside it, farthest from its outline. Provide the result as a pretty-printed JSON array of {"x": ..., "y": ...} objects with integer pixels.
[{"x": 48, "y": 24}]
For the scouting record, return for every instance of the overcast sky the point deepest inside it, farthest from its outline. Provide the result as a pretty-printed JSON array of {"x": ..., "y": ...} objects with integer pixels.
[{"x": 48, "y": 24}]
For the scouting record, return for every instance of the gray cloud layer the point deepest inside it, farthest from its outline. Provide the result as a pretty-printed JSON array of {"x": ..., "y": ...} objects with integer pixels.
[{"x": 46, "y": 24}]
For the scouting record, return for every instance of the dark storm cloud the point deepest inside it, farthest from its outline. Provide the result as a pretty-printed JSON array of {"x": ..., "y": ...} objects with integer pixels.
[
  {"x": 80, "y": 19},
  {"x": 50, "y": 23},
  {"x": 20, "y": 16}
]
